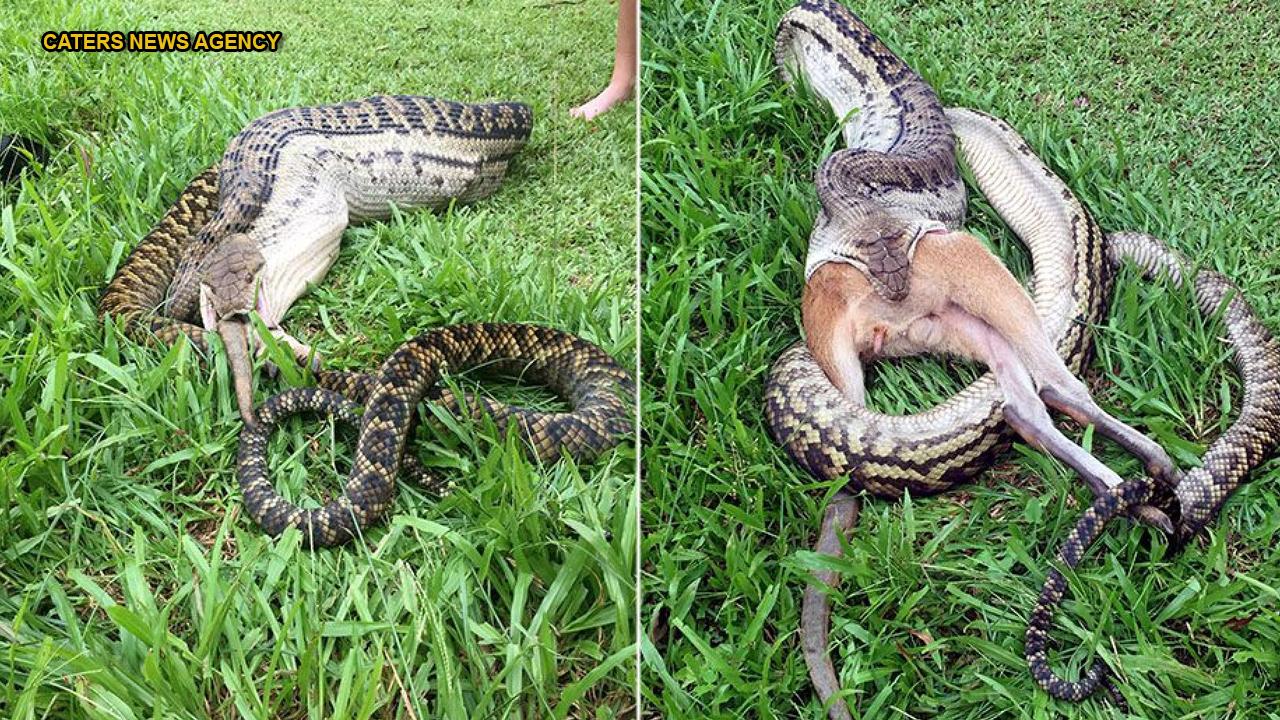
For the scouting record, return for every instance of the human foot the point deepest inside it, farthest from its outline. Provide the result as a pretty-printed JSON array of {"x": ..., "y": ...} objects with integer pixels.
[{"x": 617, "y": 92}]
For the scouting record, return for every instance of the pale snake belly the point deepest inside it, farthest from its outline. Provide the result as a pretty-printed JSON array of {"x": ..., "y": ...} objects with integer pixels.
[
  {"x": 286, "y": 188},
  {"x": 290, "y": 182},
  {"x": 255, "y": 236},
  {"x": 932, "y": 451}
]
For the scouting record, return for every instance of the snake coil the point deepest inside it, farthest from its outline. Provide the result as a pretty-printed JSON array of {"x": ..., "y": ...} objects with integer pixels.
[
  {"x": 594, "y": 383},
  {"x": 1202, "y": 490},
  {"x": 890, "y": 163}
]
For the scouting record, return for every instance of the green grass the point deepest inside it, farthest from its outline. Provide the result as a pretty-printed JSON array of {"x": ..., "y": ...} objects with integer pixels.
[
  {"x": 1159, "y": 120},
  {"x": 131, "y": 582}
]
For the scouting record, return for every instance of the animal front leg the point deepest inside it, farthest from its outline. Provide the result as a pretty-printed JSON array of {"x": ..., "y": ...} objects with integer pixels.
[
  {"x": 305, "y": 355},
  {"x": 1027, "y": 415}
]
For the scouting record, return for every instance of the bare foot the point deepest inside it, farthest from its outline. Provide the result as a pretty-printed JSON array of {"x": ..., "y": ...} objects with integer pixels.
[
  {"x": 617, "y": 92},
  {"x": 623, "y": 80}
]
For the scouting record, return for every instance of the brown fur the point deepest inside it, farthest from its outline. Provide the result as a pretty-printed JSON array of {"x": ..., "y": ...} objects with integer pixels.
[
  {"x": 965, "y": 302},
  {"x": 951, "y": 272}
]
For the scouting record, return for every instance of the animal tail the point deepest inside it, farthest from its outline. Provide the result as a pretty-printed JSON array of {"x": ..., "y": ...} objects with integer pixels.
[{"x": 815, "y": 614}]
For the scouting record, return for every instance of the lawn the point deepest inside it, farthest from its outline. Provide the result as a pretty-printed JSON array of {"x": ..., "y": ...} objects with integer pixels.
[
  {"x": 1160, "y": 120},
  {"x": 131, "y": 582}
]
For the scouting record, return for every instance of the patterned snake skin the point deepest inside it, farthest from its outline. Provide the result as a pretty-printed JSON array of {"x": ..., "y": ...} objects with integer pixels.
[
  {"x": 932, "y": 451},
  {"x": 598, "y": 388},
  {"x": 290, "y": 182},
  {"x": 140, "y": 286},
  {"x": 293, "y": 178},
  {"x": 1201, "y": 492}
]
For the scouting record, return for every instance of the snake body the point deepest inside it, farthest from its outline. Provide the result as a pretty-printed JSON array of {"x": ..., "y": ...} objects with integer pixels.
[
  {"x": 1074, "y": 266},
  {"x": 136, "y": 294},
  {"x": 897, "y": 178},
  {"x": 592, "y": 381},
  {"x": 286, "y": 187},
  {"x": 291, "y": 181},
  {"x": 1202, "y": 490},
  {"x": 930, "y": 452}
]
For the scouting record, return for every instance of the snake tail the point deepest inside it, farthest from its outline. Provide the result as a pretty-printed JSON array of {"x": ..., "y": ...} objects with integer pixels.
[
  {"x": 597, "y": 387},
  {"x": 1087, "y": 530},
  {"x": 1201, "y": 492}
]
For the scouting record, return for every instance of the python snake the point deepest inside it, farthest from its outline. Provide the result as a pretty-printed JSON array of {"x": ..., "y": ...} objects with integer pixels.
[
  {"x": 892, "y": 113},
  {"x": 283, "y": 192},
  {"x": 593, "y": 382},
  {"x": 286, "y": 188},
  {"x": 1201, "y": 492}
]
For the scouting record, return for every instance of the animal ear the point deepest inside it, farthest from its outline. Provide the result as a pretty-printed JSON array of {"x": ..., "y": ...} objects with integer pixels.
[{"x": 208, "y": 315}]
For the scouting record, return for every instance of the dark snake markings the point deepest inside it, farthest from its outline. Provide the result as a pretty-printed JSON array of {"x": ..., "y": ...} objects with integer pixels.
[
  {"x": 436, "y": 151},
  {"x": 931, "y": 452},
  {"x": 593, "y": 382},
  {"x": 1202, "y": 490}
]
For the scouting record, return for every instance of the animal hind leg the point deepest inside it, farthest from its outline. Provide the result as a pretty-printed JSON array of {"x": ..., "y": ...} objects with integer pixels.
[
  {"x": 1066, "y": 393},
  {"x": 1027, "y": 415},
  {"x": 994, "y": 296},
  {"x": 1072, "y": 399}
]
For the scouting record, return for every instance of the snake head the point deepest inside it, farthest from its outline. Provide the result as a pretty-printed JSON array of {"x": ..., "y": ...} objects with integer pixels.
[
  {"x": 229, "y": 276},
  {"x": 860, "y": 225},
  {"x": 871, "y": 240},
  {"x": 229, "y": 279},
  {"x": 886, "y": 263}
]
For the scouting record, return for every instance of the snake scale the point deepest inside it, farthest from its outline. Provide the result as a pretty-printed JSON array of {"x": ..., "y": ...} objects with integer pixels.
[
  {"x": 1201, "y": 492},
  {"x": 593, "y": 382},
  {"x": 252, "y": 233},
  {"x": 138, "y": 290},
  {"x": 890, "y": 117},
  {"x": 307, "y": 170}
]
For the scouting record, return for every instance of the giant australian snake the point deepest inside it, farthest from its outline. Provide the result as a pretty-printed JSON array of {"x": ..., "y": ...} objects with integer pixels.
[
  {"x": 888, "y": 112},
  {"x": 360, "y": 157}
]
